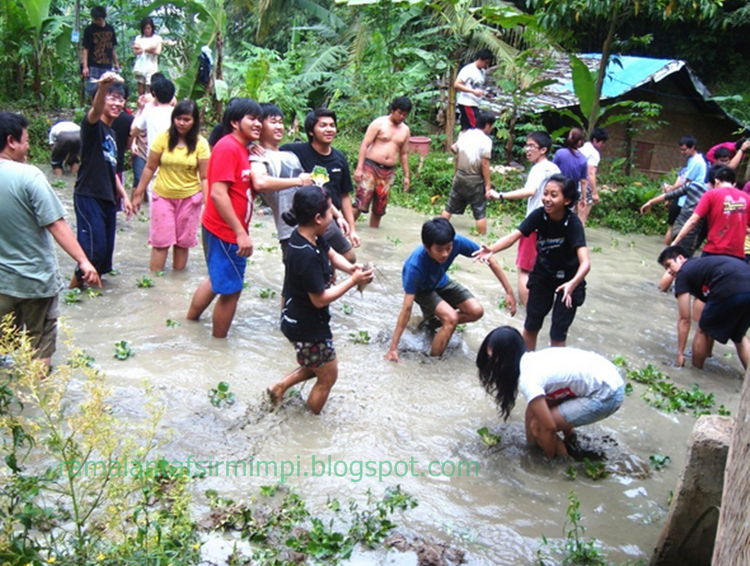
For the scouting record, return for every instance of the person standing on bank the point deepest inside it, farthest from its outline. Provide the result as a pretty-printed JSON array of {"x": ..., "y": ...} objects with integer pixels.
[
  {"x": 146, "y": 48},
  {"x": 564, "y": 387},
  {"x": 30, "y": 213},
  {"x": 308, "y": 290},
  {"x": 470, "y": 86},
  {"x": 99, "y": 54},
  {"x": 591, "y": 150}
]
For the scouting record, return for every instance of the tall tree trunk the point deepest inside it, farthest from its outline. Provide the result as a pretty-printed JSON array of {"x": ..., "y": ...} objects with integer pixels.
[
  {"x": 218, "y": 72},
  {"x": 606, "y": 51},
  {"x": 450, "y": 113}
]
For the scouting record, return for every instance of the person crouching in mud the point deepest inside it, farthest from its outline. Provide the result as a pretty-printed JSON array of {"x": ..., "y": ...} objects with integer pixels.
[
  {"x": 426, "y": 282},
  {"x": 564, "y": 387},
  {"x": 308, "y": 291}
]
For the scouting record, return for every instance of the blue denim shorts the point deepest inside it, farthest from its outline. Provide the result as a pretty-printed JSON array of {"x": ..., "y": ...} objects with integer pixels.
[
  {"x": 225, "y": 268},
  {"x": 579, "y": 411}
]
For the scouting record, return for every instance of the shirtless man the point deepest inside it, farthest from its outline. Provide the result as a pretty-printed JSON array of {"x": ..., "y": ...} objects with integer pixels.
[{"x": 386, "y": 140}]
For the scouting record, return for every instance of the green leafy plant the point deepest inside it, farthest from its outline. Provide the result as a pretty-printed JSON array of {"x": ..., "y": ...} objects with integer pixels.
[
  {"x": 80, "y": 359},
  {"x": 595, "y": 469},
  {"x": 220, "y": 395},
  {"x": 460, "y": 328},
  {"x": 72, "y": 297},
  {"x": 664, "y": 395},
  {"x": 572, "y": 472},
  {"x": 395, "y": 240},
  {"x": 265, "y": 248},
  {"x": 142, "y": 217},
  {"x": 347, "y": 309},
  {"x": 93, "y": 293},
  {"x": 267, "y": 293},
  {"x": 619, "y": 360},
  {"x": 361, "y": 337},
  {"x": 159, "y": 273},
  {"x": 596, "y": 250},
  {"x": 659, "y": 461},
  {"x": 576, "y": 550},
  {"x": 172, "y": 323},
  {"x": 487, "y": 437},
  {"x": 123, "y": 350},
  {"x": 144, "y": 282}
]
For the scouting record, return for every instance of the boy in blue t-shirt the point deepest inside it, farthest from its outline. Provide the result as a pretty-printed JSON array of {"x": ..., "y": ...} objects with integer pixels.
[{"x": 426, "y": 282}]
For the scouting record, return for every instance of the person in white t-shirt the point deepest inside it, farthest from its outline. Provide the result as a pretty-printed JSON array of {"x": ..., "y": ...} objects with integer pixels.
[
  {"x": 564, "y": 387},
  {"x": 591, "y": 150},
  {"x": 471, "y": 183},
  {"x": 146, "y": 48},
  {"x": 470, "y": 86},
  {"x": 538, "y": 145}
]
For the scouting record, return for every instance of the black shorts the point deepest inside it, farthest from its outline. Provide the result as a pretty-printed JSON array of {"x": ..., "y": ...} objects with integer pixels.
[
  {"x": 65, "y": 149},
  {"x": 468, "y": 116},
  {"x": 336, "y": 239},
  {"x": 728, "y": 319},
  {"x": 543, "y": 298}
]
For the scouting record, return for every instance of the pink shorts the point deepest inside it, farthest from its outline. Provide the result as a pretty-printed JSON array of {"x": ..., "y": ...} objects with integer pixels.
[
  {"x": 526, "y": 252},
  {"x": 175, "y": 221}
]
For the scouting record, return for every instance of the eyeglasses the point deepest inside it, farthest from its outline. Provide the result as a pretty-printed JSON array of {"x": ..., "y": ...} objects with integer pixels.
[
  {"x": 531, "y": 146},
  {"x": 116, "y": 99}
]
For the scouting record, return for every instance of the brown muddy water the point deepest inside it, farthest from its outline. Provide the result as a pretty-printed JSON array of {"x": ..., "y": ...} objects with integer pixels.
[{"x": 419, "y": 411}]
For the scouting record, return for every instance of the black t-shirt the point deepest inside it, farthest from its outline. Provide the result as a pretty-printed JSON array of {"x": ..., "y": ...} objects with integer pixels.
[
  {"x": 713, "y": 278},
  {"x": 556, "y": 243},
  {"x": 121, "y": 127},
  {"x": 340, "y": 180},
  {"x": 216, "y": 134},
  {"x": 100, "y": 41},
  {"x": 308, "y": 270},
  {"x": 96, "y": 176}
]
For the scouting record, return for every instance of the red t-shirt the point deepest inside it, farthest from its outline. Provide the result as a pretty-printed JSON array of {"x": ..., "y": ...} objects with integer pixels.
[
  {"x": 726, "y": 210},
  {"x": 229, "y": 163}
]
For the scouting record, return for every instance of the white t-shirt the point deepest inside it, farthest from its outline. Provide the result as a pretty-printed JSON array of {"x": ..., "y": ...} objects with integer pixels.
[
  {"x": 473, "y": 77},
  {"x": 61, "y": 128},
  {"x": 472, "y": 146},
  {"x": 147, "y": 63},
  {"x": 558, "y": 373},
  {"x": 536, "y": 180},
  {"x": 591, "y": 154},
  {"x": 154, "y": 120}
]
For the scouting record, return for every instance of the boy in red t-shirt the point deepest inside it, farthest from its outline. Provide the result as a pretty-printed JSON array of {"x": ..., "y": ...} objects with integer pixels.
[{"x": 226, "y": 242}]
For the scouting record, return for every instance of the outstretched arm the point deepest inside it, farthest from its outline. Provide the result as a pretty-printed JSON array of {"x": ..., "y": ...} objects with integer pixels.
[
  {"x": 403, "y": 320},
  {"x": 485, "y": 252}
]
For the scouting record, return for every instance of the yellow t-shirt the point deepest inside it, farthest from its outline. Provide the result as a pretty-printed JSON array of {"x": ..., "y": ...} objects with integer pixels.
[{"x": 178, "y": 175}]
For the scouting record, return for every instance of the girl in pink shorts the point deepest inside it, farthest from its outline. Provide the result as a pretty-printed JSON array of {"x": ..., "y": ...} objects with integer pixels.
[{"x": 181, "y": 156}]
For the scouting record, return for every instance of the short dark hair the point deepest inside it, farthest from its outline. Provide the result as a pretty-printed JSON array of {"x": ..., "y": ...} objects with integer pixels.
[
  {"x": 148, "y": 20},
  {"x": 542, "y": 139},
  {"x": 437, "y": 231},
  {"x": 119, "y": 88},
  {"x": 672, "y": 252},
  {"x": 312, "y": 118},
  {"x": 485, "y": 55},
  {"x": 688, "y": 141},
  {"x": 484, "y": 118},
  {"x": 308, "y": 202},
  {"x": 98, "y": 12},
  {"x": 568, "y": 186},
  {"x": 270, "y": 109},
  {"x": 163, "y": 90},
  {"x": 11, "y": 125},
  {"x": 401, "y": 103},
  {"x": 722, "y": 153},
  {"x": 599, "y": 134},
  {"x": 237, "y": 109},
  {"x": 722, "y": 173}
]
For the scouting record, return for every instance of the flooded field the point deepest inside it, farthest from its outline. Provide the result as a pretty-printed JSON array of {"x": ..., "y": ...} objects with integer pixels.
[{"x": 417, "y": 412}]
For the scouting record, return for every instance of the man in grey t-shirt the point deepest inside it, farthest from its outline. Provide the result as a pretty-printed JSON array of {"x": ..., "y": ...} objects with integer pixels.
[{"x": 30, "y": 213}]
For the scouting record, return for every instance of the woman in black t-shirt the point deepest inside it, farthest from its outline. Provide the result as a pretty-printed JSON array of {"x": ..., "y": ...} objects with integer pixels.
[
  {"x": 308, "y": 290},
  {"x": 557, "y": 281}
]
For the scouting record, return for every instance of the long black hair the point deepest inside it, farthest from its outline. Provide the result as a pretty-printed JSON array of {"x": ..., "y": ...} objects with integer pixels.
[
  {"x": 500, "y": 370},
  {"x": 190, "y": 108},
  {"x": 308, "y": 203}
]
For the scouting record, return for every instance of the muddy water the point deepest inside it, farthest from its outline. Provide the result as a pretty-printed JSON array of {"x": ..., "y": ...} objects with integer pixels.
[{"x": 419, "y": 411}]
